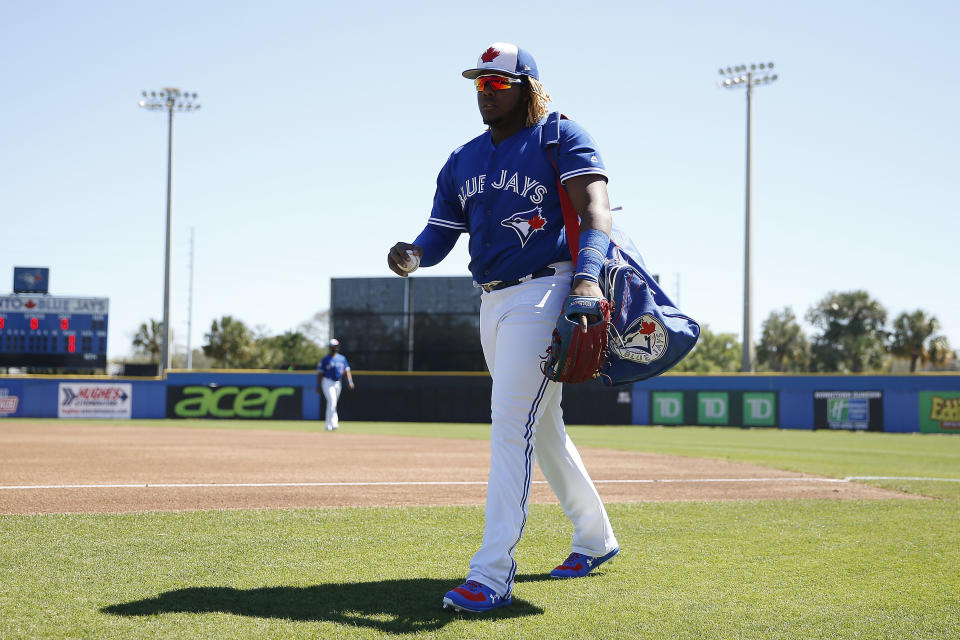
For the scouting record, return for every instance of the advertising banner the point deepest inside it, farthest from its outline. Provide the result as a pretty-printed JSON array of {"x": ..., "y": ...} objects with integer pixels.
[
  {"x": 235, "y": 402},
  {"x": 939, "y": 411},
  {"x": 9, "y": 400},
  {"x": 714, "y": 408},
  {"x": 760, "y": 409},
  {"x": 94, "y": 400},
  {"x": 852, "y": 410},
  {"x": 666, "y": 407}
]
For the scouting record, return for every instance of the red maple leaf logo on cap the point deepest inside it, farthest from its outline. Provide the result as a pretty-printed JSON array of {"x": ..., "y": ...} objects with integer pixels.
[
  {"x": 647, "y": 328},
  {"x": 489, "y": 54},
  {"x": 30, "y": 304},
  {"x": 537, "y": 222}
]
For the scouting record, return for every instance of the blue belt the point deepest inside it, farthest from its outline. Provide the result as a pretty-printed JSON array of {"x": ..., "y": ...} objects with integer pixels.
[{"x": 496, "y": 285}]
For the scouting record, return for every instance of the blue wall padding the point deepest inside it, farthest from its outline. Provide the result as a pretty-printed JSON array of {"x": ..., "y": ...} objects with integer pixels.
[{"x": 37, "y": 396}]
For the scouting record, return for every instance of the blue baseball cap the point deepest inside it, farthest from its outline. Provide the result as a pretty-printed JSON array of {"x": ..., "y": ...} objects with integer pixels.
[{"x": 504, "y": 58}]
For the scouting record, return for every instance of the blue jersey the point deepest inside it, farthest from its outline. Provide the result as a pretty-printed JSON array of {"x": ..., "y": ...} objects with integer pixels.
[
  {"x": 333, "y": 366},
  {"x": 505, "y": 197}
]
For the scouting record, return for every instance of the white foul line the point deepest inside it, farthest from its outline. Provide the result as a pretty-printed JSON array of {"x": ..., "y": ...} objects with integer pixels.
[{"x": 193, "y": 485}]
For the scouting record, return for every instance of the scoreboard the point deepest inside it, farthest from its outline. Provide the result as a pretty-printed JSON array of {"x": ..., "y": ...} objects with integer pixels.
[{"x": 53, "y": 331}]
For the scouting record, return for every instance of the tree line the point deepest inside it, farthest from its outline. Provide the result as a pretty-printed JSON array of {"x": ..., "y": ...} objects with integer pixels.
[
  {"x": 231, "y": 344},
  {"x": 851, "y": 335}
]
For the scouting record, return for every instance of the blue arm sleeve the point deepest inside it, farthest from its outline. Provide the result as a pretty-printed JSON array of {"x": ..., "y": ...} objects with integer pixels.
[{"x": 436, "y": 243}]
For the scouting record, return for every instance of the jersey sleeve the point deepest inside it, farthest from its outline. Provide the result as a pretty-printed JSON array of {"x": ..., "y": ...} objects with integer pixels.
[
  {"x": 577, "y": 152},
  {"x": 436, "y": 242},
  {"x": 447, "y": 212}
]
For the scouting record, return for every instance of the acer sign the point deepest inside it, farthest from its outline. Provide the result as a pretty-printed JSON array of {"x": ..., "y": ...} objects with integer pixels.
[{"x": 234, "y": 402}]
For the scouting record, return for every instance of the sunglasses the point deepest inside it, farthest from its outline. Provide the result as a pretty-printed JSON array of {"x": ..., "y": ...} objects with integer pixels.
[{"x": 497, "y": 83}]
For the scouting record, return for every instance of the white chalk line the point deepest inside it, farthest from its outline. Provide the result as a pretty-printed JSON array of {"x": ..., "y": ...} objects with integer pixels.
[{"x": 200, "y": 485}]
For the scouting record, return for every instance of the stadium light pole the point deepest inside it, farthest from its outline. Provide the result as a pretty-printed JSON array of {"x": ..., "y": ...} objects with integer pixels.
[
  {"x": 748, "y": 76},
  {"x": 190, "y": 307},
  {"x": 170, "y": 99}
]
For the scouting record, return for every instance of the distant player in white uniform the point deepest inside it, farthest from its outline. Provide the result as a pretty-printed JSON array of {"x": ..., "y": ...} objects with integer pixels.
[
  {"x": 501, "y": 189},
  {"x": 330, "y": 371}
]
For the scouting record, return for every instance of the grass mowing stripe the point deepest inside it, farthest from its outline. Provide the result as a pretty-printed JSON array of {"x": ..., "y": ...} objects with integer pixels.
[{"x": 874, "y": 569}]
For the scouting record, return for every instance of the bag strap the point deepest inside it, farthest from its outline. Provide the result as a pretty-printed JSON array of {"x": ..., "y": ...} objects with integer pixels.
[{"x": 571, "y": 221}]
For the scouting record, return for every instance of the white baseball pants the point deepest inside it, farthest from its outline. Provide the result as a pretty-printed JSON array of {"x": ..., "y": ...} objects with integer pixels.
[
  {"x": 516, "y": 325},
  {"x": 331, "y": 392}
]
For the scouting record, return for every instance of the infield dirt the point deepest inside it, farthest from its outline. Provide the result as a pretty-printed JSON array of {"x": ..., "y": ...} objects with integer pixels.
[{"x": 41, "y": 464}]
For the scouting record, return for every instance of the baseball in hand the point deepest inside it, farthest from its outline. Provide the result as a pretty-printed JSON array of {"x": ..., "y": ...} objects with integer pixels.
[{"x": 413, "y": 261}]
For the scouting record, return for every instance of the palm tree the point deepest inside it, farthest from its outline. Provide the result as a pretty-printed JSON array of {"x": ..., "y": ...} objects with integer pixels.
[
  {"x": 913, "y": 338},
  {"x": 229, "y": 343},
  {"x": 148, "y": 339},
  {"x": 939, "y": 352},
  {"x": 783, "y": 347},
  {"x": 852, "y": 336}
]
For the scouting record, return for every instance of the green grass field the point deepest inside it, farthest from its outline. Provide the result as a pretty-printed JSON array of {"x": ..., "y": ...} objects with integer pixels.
[{"x": 797, "y": 569}]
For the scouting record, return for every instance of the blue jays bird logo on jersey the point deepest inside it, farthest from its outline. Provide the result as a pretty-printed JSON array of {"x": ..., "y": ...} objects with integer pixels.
[{"x": 526, "y": 223}]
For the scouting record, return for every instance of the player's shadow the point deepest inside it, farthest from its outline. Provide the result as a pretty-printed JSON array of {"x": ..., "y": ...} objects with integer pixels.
[{"x": 390, "y": 606}]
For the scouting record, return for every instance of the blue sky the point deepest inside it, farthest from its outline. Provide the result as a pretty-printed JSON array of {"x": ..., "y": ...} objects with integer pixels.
[{"x": 323, "y": 127}]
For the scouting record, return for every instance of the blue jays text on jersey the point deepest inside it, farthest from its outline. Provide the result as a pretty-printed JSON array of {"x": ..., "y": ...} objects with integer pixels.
[
  {"x": 475, "y": 185},
  {"x": 505, "y": 197},
  {"x": 332, "y": 366}
]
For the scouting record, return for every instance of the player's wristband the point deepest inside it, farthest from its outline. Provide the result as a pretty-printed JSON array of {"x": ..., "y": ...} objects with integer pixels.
[{"x": 593, "y": 252}]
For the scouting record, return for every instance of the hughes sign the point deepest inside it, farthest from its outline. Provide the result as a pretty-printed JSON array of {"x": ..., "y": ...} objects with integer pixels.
[{"x": 238, "y": 402}]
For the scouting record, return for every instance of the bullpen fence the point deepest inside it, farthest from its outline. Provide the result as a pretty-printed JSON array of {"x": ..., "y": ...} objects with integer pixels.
[{"x": 917, "y": 403}]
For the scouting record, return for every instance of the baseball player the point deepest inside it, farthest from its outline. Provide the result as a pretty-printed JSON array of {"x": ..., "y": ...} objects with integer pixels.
[
  {"x": 329, "y": 373},
  {"x": 501, "y": 189}
]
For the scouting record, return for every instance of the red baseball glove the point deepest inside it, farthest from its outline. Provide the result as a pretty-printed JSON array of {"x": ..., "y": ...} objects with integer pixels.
[{"x": 577, "y": 354}]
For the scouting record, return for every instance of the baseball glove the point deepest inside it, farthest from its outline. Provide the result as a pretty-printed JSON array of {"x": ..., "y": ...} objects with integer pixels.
[{"x": 575, "y": 354}]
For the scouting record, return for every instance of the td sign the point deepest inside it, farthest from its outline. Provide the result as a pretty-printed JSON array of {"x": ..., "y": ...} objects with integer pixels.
[
  {"x": 716, "y": 408},
  {"x": 713, "y": 407},
  {"x": 667, "y": 407},
  {"x": 759, "y": 409}
]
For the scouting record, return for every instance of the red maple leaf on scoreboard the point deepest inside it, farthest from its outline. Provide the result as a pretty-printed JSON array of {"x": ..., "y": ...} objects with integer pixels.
[
  {"x": 30, "y": 304},
  {"x": 489, "y": 55}
]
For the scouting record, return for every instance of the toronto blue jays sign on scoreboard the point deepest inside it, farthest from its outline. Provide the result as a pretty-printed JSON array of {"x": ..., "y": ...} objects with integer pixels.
[{"x": 53, "y": 331}]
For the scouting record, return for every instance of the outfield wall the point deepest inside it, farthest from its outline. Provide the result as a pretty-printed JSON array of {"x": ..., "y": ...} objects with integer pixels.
[
  {"x": 880, "y": 403},
  {"x": 915, "y": 403}
]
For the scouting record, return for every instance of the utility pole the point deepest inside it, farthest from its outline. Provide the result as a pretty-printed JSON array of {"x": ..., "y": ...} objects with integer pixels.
[
  {"x": 190, "y": 307},
  {"x": 748, "y": 76},
  {"x": 169, "y": 99}
]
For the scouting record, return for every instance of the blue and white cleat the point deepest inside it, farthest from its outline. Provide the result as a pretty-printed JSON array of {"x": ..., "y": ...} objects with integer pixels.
[
  {"x": 474, "y": 597},
  {"x": 577, "y": 565}
]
